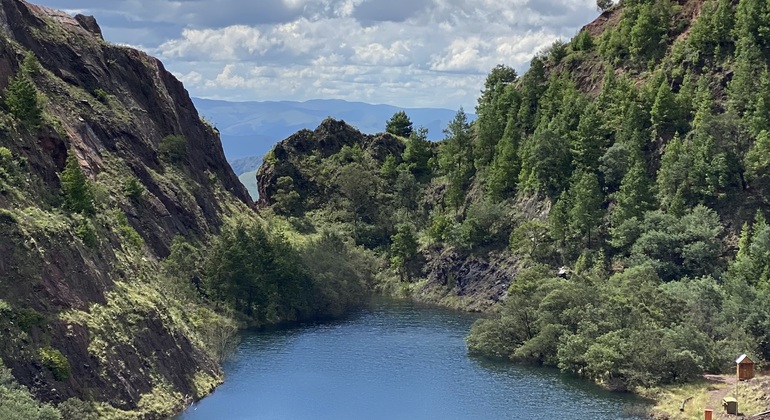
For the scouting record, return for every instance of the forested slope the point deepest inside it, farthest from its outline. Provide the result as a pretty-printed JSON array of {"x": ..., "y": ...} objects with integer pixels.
[
  {"x": 635, "y": 158},
  {"x": 130, "y": 253}
]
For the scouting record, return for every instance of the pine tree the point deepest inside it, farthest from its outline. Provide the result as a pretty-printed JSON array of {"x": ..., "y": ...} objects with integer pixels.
[
  {"x": 504, "y": 171},
  {"x": 418, "y": 152},
  {"x": 494, "y": 105},
  {"x": 21, "y": 99},
  {"x": 590, "y": 141},
  {"x": 403, "y": 250},
  {"x": 634, "y": 197},
  {"x": 456, "y": 158},
  {"x": 586, "y": 211},
  {"x": 399, "y": 124},
  {"x": 78, "y": 197}
]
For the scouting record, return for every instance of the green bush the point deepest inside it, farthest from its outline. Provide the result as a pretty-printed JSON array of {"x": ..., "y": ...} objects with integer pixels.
[
  {"x": 56, "y": 362},
  {"x": 77, "y": 409},
  {"x": 28, "y": 318},
  {"x": 87, "y": 233},
  {"x": 16, "y": 402},
  {"x": 133, "y": 189},
  {"x": 173, "y": 149},
  {"x": 101, "y": 95},
  {"x": 128, "y": 233}
]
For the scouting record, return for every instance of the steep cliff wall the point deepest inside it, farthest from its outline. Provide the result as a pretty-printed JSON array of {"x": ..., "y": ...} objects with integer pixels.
[{"x": 84, "y": 310}]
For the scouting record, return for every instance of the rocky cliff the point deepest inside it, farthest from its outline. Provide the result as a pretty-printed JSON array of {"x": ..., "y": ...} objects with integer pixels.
[{"x": 83, "y": 310}]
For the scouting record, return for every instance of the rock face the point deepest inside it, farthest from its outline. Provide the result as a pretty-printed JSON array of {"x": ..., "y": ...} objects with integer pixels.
[
  {"x": 111, "y": 107},
  {"x": 288, "y": 157}
]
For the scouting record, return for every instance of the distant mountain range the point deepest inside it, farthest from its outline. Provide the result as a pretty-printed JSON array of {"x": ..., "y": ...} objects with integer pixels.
[{"x": 251, "y": 129}]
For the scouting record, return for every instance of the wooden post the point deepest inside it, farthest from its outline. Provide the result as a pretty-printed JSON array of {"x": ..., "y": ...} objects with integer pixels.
[{"x": 708, "y": 414}]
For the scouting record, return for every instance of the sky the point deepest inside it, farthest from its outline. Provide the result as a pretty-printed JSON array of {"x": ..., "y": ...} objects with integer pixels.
[{"x": 408, "y": 53}]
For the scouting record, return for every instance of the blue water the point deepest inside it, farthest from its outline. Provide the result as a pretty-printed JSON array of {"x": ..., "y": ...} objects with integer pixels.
[{"x": 395, "y": 360}]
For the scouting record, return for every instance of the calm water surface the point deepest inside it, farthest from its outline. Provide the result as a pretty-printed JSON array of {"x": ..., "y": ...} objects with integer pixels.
[{"x": 395, "y": 360}]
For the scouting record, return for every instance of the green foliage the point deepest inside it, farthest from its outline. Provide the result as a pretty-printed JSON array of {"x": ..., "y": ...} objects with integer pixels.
[
  {"x": 77, "y": 409},
  {"x": 20, "y": 97},
  {"x": 504, "y": 171},
  {"x": 603, "y": 5},
  {"x": 495, "y": 103},
  {"x": 17, "y": 403},
  {"x": 86, "y": 232},
  {"x": 78, "y": 195},
  {"x": 531, "y": 239},
  {"x": 28, "y": 318},
  {"x": 126, "y": 231},
  {"x": 757, "y": 161},
  {"x": 53, "y": 360},
  {"x": 403, "y": 251},
  {"x": 545, "y": 164},
  {"x": 583, "y": 41},
  {"x": 634, "y": 197},
  {"x": 263, "y": 277},
  {"x": 133, "y": 189},
  {"x": 418, "y": 153},
  {"x": 287, "y": 199},
  {"x": 675, "y": 246},
  {"x": 711, "y": 32},
  {"x": 173, "y": 149},
  {"x": 456, "y": 159},
  {"x": 101, "y": 95},
  {"x": 399, "y": 124}
]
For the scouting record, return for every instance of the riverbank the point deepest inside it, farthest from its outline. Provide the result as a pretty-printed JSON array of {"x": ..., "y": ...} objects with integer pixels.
[{"x": 689, "y": 401}]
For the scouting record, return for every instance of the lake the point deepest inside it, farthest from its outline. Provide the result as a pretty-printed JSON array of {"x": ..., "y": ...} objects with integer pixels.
[{"x": 394, "y": 360}]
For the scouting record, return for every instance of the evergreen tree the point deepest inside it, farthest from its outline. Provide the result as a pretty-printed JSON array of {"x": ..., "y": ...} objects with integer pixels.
[
  {"x": 418, "y": 152},
  {"x": 586, "y": 211},
  {"x": 504, "y": 171},
  {"x": 545, "y": 164},
  {"x": 399, "y": 124},
  {"x": 494, "y": 105},
  {"x": 21, "y": 99},
  {"x": 456, "y": 158},
  {"x": 403, "y": 250},
  {"x": 78, "y": 197},
  {"x": 634, "y": 197},
  {"x": 757, "y": 161},
  {"x": 665, "y": 114},
  {"x": 590, "y": 140}
]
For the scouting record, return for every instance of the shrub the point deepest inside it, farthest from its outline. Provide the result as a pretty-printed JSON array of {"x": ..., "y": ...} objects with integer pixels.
[
  {"x": 173, "y": 149},
  {"x": 128, "y": 233},
  {"x": 27, "y": 318},
  {"x": 55, "y": 361},
  {"x": 133, "y": 189},
  {"x": 77, "y": 409},
  {"x": 101, "y": 95},
  {"x": 16, "y": 402},
  {"x": 86, "y": 232}
]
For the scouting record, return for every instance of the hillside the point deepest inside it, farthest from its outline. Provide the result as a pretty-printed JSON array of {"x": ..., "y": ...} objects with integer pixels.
[
  {"x": 612, "y": 197},
  {"x": 104, "y": 164},
  {"x": 130, "y": 252}
]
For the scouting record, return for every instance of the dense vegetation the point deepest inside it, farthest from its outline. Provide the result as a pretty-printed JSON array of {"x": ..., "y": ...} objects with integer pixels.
[{"x": 635, "y": 156}]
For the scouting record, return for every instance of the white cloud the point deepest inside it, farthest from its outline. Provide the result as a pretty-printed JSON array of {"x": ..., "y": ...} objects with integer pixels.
[{"x": 404, "y": 52}]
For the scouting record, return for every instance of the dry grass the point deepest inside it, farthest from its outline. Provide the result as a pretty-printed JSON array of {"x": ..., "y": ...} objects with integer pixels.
[
  {"x": 670, "y": 400},
  {"x": 753, "y": 397}
]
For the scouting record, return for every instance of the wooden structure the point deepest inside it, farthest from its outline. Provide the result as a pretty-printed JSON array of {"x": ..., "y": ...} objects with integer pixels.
[
  {"x": 730, "y": 405},
  {"x": 745, "y": 368}
]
